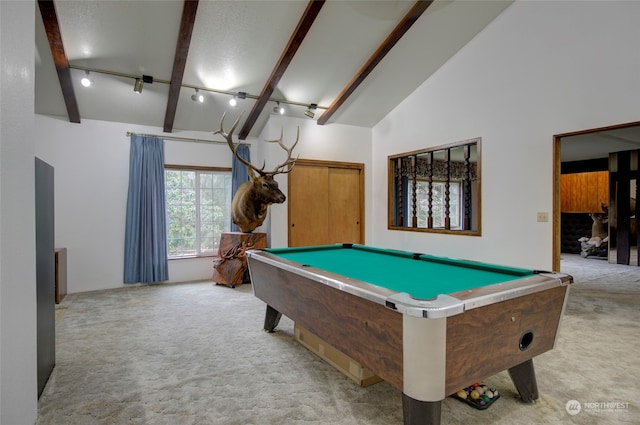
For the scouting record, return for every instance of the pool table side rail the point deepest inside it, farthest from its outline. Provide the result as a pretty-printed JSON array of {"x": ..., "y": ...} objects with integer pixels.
[
  {"x": 338, "y": 246},
  {"x": 503, "y": 291},
  {"x": 478, "y": 265},
  {"x": 365, "y": 290},
  {"x": 444, "y": 305}
]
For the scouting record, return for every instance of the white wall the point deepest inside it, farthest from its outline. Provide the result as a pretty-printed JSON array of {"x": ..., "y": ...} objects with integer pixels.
[
  {"x": 539, "y": 69},
  {"x": 18, "y": 378},
  {"x": 91, "y": 162}
]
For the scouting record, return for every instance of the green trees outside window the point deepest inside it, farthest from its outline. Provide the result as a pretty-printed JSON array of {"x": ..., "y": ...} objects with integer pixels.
[{"x": 198, "y": 209}]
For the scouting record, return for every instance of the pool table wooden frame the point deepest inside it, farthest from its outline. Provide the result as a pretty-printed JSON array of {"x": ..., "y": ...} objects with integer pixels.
[{"x": 428, "y": 355}]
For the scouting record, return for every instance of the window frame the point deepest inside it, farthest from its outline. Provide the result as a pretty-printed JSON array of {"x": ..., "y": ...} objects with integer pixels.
[
  {"x": 197, "y": 169},
  {"x": 403, "y": 166}
]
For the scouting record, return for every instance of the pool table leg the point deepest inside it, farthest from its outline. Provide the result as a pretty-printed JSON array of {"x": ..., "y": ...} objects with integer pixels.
[
  {"x": 524, "y": 378},
  {"x": 416, "y": 412},
  {"x": 271, "y": 319}
]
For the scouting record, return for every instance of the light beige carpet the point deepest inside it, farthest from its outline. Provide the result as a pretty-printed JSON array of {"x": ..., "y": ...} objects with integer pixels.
[{"x": 196, "y": 354}]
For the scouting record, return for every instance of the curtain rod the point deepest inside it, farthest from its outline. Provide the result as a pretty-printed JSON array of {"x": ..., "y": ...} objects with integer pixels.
[{"x": 182, "y": 139}]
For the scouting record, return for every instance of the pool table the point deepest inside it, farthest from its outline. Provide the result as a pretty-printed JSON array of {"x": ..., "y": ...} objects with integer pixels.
[{"x": 427, "y": 325}]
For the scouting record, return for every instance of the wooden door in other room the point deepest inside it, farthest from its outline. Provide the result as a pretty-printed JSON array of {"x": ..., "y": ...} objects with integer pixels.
[{"x": 325, "y": 203}]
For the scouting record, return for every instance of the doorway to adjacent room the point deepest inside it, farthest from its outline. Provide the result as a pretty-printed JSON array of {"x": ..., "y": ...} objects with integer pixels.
[{"x": 616, "y": 151}]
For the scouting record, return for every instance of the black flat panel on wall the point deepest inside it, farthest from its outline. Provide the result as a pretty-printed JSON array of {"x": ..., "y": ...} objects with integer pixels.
[{"x": 45, "y": 272}]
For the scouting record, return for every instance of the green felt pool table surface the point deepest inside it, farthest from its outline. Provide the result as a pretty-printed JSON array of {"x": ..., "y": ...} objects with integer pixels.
[{"x": 419, "y": 275}]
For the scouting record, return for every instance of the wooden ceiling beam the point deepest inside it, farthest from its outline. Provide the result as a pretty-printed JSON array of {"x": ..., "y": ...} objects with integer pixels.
[
  {"x": 179, "y": 61},
  {"x": 307, "y": 19},
  {"x": 52, "y": 28},
  {"x": 398, "y": 32}
]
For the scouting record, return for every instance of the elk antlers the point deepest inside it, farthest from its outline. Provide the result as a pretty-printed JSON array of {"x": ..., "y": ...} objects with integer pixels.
[
  {"x": 280, "y": 169},
  {"x": 289, "y": 163}
]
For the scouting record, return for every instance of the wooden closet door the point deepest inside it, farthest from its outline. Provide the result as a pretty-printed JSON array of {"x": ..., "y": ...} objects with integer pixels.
[
  {"x": 308, "y": 198},
  {"x": 325, "y": 203},
  {"x": 344, "y": 206}
]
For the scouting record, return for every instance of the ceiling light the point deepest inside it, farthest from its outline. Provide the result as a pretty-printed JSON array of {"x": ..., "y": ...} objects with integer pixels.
[
  {"x": 278, "y": 109},
  {"x": 86, "y": 82},
  {"x": 197, "y": 97},
  {"x": 234, "y": 100},
  {"x": 309, "y": 112},
  {"x": 137, "y": 87}
]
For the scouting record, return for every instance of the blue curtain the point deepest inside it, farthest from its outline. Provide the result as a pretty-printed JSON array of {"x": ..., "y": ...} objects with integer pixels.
[
  {"x": 145, "y": 250},
  {"x": 239, "y": 174}
]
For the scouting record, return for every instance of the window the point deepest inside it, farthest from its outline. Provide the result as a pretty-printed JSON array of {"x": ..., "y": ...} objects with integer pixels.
[
  {"x": 436, "y": 190},
  {"x": 198, "y": 209},
  {"x": 438, "y": 204}
]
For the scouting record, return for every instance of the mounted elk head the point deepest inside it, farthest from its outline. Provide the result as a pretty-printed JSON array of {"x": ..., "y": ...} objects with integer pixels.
[{"x": 250, "y": 203}]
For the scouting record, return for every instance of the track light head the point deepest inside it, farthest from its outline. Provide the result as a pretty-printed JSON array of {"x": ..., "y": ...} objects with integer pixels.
[
  {"x": 137, "y": 86},
  {"x": 86, "y": 81},
  {"x": 278, "y": 109},
  {"x": 234, "y": 100},
  {"x": 197, "y": 97},
  {"x": 309, "y": 112}
]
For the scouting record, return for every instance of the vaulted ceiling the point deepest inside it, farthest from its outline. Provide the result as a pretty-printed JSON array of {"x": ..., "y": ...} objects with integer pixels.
[{"x": 356, "y": 60}]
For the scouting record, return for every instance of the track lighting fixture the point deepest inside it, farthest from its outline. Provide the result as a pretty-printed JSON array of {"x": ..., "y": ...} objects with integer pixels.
[
  {"x": 278, "y": 109},
  {"x": 86, "y": 81},
  {"x": 309, "y": 112},
  {"x": 141, "y": 80},
  {"x": 137, "y": 86},
  {"x": 234, "y": 100},
  {"x": 197, "y": 97}
]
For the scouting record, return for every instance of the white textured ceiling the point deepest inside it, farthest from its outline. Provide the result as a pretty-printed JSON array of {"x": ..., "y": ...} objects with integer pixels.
[
  {"x": 598, "y": 144},
  {"x": 235, "y": 46}
]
